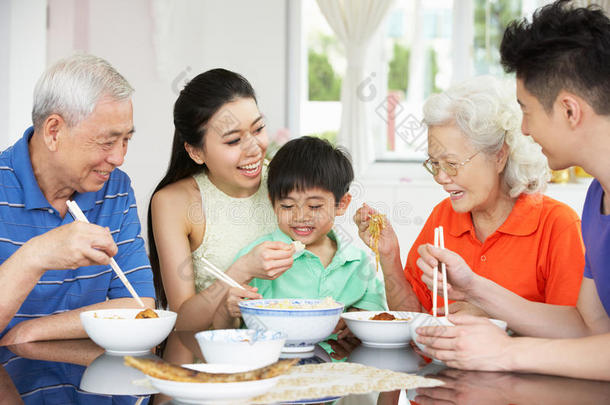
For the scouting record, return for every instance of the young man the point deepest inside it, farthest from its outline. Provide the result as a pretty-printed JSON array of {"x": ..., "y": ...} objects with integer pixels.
[
  {"x": 51, "y": 267},
  {"x": 562, "y": 63}
]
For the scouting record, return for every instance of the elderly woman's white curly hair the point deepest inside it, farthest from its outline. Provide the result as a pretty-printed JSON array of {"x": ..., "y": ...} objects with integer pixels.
[{"x": 486, "y": 111}]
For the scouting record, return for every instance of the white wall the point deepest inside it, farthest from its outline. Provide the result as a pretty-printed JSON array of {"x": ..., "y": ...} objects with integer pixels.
[
  {"x": 158, "y": 45},
  {"x": 22, "y": 60},
  {"x": 5, "y": 38}
]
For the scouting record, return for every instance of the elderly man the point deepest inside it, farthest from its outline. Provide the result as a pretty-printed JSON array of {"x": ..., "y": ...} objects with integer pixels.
[
  {"x": 51, "y": 267},
  {"x": 562, "y": 62}
]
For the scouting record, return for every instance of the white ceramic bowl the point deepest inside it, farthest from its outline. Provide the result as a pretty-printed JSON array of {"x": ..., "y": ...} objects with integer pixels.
[
  {"x": 241, "y": 346},
  {"x": 385, "y": 334},
  {"x": 423, "y": 319},
  {"x": 303, "y": 325},
  {"x": 109, "y": 375},
  {"x": 117, "y": 330}
]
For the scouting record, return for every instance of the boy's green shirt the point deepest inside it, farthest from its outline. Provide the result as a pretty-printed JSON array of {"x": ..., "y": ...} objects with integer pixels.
[{"x": 349, "y": 278}]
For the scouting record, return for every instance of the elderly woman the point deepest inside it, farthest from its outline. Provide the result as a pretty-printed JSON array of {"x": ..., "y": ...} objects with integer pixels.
[{"x": 495, "y": 216}]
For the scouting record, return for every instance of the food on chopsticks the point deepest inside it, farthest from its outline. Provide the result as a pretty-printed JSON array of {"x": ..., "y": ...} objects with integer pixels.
[
  {"x": 376, "y": 224},
  {"x": 147, "y": 313},
  {"x": 163, "y": 370},
  {"x": 298, "y": 246}
]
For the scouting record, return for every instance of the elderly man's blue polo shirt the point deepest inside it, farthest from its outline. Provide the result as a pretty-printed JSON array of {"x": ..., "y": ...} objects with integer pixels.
[{"x": 26, "y": 213}]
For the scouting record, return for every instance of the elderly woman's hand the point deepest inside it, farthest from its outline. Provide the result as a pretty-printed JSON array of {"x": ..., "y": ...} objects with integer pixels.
[
  {"x": 388, "y": 241},
  {"x": 459, "y": 276}
]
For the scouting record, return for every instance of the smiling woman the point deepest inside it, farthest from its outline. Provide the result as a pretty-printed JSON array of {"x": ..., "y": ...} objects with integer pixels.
[
  {"x": 495, "y": 216},
  {"x": 213, "y": 198}
]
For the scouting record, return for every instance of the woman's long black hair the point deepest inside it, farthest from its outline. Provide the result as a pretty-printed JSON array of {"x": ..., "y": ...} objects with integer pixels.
[{"x": 200, "y": 99}]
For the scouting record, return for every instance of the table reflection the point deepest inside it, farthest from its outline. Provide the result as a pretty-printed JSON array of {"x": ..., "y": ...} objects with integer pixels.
[
  {"x": 79, "y": 372},
  {"x": 51, "y": 373}
]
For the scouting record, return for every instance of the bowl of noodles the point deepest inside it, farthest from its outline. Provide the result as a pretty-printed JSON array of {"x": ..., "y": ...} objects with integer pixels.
[{"x": 305, "y": 322}]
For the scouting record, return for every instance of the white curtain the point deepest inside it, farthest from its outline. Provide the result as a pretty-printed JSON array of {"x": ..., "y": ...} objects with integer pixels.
[{"x": 354, "y": 23}]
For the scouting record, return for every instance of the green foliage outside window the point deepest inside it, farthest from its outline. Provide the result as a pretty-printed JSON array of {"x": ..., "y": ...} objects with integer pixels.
[
  {"x": 490, "y": 21},
  {"x": 398, "y": 74},
  {"x": 324, "y": 82}
]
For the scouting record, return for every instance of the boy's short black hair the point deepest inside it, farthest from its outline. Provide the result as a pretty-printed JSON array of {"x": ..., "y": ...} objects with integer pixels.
[
  {"x": 563, "y": 48},
  {"x": 308, "y": 162}
]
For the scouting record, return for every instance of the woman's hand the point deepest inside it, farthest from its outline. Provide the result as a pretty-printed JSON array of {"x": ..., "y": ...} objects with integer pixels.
[
  {"x": 388, "y": 241},
  {"x": 459, "y": 276},
  {"x": 269, "y": 260},
  {"x": 236, "y": 295}
]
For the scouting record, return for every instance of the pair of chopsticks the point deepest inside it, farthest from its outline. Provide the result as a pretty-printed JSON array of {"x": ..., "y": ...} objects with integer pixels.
[
  {"x": 439, "y": 241},
  {"x": 79, "y": 216},
  {"x": 219, "y": 274}
]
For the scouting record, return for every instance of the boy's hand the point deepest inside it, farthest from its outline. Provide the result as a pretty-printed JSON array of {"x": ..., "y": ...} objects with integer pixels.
[
  {"x": 388, "y": 242},
  {"x": 269, "y": 260},
  {"x": 236, "y": 295}
]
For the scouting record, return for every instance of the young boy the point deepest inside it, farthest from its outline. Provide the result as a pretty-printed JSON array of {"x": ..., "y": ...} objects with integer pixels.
[{"x": 308, "y": 184}]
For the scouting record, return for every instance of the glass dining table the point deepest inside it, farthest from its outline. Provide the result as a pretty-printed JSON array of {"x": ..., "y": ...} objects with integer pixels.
[{"x": 80, "y": 372}]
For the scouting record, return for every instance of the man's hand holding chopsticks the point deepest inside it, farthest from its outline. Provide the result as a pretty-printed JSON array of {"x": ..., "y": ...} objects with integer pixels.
[
  {"x": 459, "y": 276},
  {"x": 71, "y": 246}
]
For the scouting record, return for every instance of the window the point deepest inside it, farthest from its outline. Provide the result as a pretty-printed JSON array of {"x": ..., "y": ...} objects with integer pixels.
[
  {"x": 422, "y": 48},
  {"x": 325, "y": 58}
]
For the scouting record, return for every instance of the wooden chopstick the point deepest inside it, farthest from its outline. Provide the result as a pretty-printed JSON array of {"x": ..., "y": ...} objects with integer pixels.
[
  {"x": 219, "y": 274},
  {"x": 435, "y": 278},
  {"x": 439, "y": 242},
  {"x": 444, "y": 271},
  {"x": 79, "y": 216}
]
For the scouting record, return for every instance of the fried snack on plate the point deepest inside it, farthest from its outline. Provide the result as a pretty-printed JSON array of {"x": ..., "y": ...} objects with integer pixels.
[
  {"x": 147, "y": 313},
  {"x": 166, "y": 371},
  {"x": 376, "y": 224}
]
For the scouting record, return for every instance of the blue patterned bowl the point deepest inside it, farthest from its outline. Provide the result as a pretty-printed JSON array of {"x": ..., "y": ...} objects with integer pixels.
[{"x": 304, "y": 321}]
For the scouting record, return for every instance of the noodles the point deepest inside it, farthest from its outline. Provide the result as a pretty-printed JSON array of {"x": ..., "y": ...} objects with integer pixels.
[{"x": 376, "y": 224}]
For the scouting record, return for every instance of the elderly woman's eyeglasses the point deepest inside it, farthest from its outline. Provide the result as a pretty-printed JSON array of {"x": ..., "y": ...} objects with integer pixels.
[{"x": 435, "y": 166}]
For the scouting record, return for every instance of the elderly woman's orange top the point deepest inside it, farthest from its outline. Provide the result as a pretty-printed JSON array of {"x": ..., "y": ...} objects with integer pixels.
[{"x": 537, "y": 253}]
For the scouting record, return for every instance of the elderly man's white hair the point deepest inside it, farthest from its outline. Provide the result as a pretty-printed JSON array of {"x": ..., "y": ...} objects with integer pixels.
[
  {"x": 73, "y": 86},
  {"x": 486, "y": 111}
]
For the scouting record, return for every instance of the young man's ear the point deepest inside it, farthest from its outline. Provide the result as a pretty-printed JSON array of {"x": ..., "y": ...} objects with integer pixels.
[
  {"x": 571, "y": 108},
  {"x": 195, "y": 153},
  {"x": 343, "y": 204}
]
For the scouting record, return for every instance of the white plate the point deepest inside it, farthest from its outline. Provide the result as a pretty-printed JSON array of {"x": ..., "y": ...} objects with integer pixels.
[
  {"x": 213, "y": 393},
  {"x": 311, "y": 401},
  {"x": 298, "y": 349},
  {"x": 385, "y": 345}
]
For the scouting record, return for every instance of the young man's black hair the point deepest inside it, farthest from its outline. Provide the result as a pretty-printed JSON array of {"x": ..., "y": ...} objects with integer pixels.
[{"x": 562, "y": 48}]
